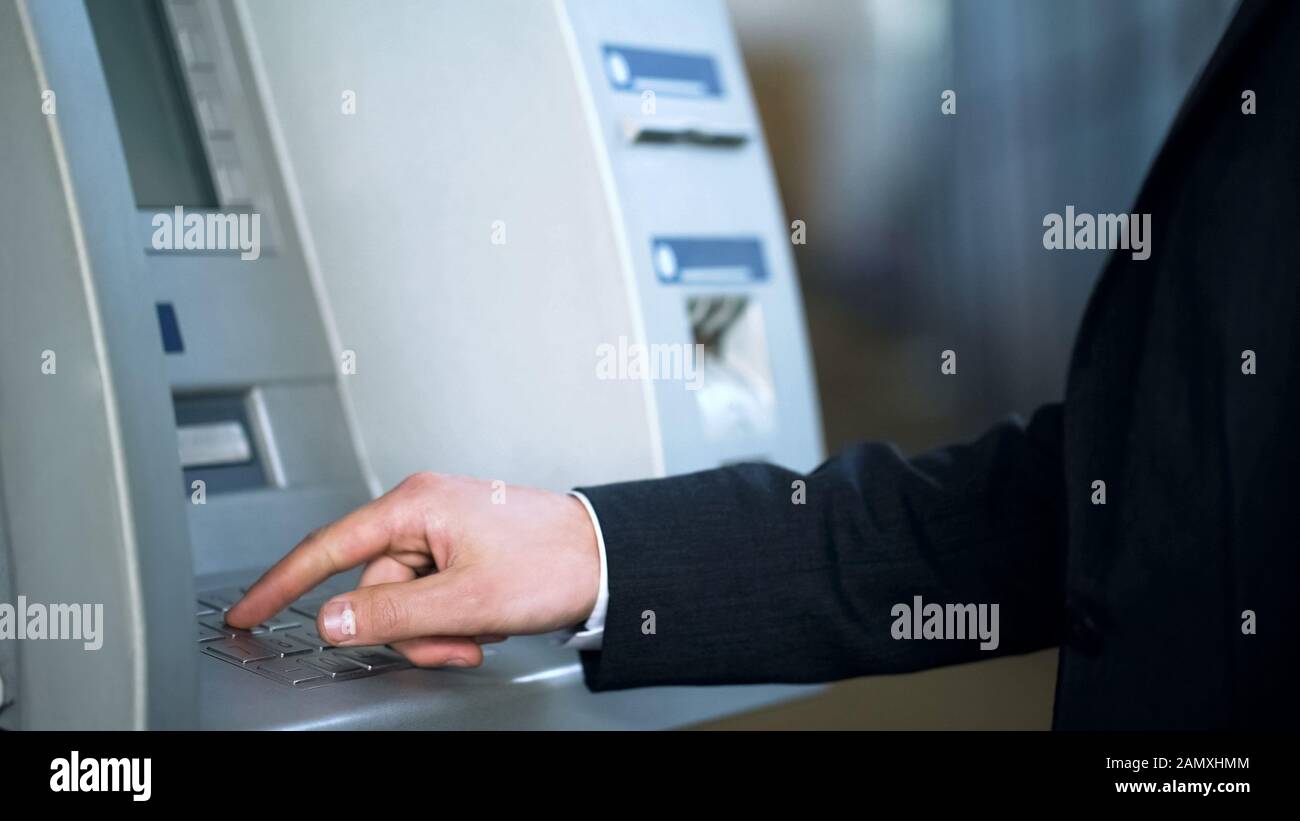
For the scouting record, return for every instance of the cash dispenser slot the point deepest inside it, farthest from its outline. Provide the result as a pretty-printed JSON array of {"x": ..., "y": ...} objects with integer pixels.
[
  {"x": 737, "y": 394},
  {"x": 650, "y": 131},
  {"x": 216, "y": 442}
]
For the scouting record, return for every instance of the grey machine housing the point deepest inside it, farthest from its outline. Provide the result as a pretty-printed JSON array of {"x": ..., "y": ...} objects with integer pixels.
[{"x": 464, "y": 207}]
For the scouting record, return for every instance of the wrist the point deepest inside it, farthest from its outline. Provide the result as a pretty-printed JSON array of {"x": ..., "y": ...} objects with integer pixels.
[{"x": 594, "y": 622}]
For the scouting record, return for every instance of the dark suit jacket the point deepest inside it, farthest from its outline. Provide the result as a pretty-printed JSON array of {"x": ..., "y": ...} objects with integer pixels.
[{"x": 1145, "y": 593}]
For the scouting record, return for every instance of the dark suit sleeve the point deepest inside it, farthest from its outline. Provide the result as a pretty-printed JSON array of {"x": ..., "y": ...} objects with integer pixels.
[{"x": 747, "y": 586}]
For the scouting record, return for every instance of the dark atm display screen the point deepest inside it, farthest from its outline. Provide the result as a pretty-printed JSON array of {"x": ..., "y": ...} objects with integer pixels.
[{"x": 154, "y": 116}]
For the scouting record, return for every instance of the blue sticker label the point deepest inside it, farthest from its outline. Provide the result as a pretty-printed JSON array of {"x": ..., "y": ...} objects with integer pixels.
[
  {"x": 672, "y": 73},
  {"x": 708, "y": 260},
  {"x": 170, "y": 328}
]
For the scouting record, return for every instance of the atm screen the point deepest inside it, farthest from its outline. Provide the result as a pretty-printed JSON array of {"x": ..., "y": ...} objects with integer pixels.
[{"x": 164, "y": 154}]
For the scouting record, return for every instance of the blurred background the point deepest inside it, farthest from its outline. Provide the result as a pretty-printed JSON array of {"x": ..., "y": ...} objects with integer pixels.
[{"x": 924, "y": 233}]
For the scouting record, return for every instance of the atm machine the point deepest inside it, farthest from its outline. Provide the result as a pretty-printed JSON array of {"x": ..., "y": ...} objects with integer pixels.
[{"x": 461, "y": 205}]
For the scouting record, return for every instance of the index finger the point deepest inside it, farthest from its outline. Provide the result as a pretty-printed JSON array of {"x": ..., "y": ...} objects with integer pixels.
[{"x": 359, "y": 536}]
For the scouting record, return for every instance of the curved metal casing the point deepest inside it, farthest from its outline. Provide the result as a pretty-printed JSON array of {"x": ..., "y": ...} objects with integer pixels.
[{"x": 88, "y": 452}]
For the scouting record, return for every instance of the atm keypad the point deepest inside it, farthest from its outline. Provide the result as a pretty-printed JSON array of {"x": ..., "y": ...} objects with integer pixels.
[{"x": 286, "y": 648}]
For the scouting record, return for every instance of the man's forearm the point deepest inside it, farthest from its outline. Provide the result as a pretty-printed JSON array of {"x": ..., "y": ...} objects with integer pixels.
[{"x": 752, "y": 573}]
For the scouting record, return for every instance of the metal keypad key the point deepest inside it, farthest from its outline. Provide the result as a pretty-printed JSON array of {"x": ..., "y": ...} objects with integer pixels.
[
  {"x": 374, "y": 658},
  {"x": 290, "y": 671},
  {"x": 284, "y": 644},
  {"x": 241, "y": 651},
  {"x": 220, "y": 600},
  {"x": 333, "y": 665}
]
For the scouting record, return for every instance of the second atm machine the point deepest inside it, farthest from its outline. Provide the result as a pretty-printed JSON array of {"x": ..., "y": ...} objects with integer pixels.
[{"x": 460, "y": 207}]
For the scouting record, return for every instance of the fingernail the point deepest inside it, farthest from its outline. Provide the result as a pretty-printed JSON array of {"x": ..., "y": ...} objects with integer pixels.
[
  {"x": 339, "y": 620},
  {"x": 457, "y": 663}
]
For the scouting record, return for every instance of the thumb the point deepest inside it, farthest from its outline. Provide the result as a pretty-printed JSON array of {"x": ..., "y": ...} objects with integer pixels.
[{"x": 435, "y": 605}]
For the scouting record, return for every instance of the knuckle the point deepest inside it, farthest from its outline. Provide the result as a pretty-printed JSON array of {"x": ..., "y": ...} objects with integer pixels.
[
  {"x": 312, "y": 535},
  {"x": 421, "y": 482},
  {"x": 385, "y": 613}
]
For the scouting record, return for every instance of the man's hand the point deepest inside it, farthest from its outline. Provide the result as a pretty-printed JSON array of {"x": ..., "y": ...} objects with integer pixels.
[{"x": 529, "y": 565}]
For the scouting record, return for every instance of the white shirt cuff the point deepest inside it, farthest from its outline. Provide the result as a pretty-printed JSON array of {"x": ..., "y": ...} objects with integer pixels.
[{"x": 592, "y": 633}]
